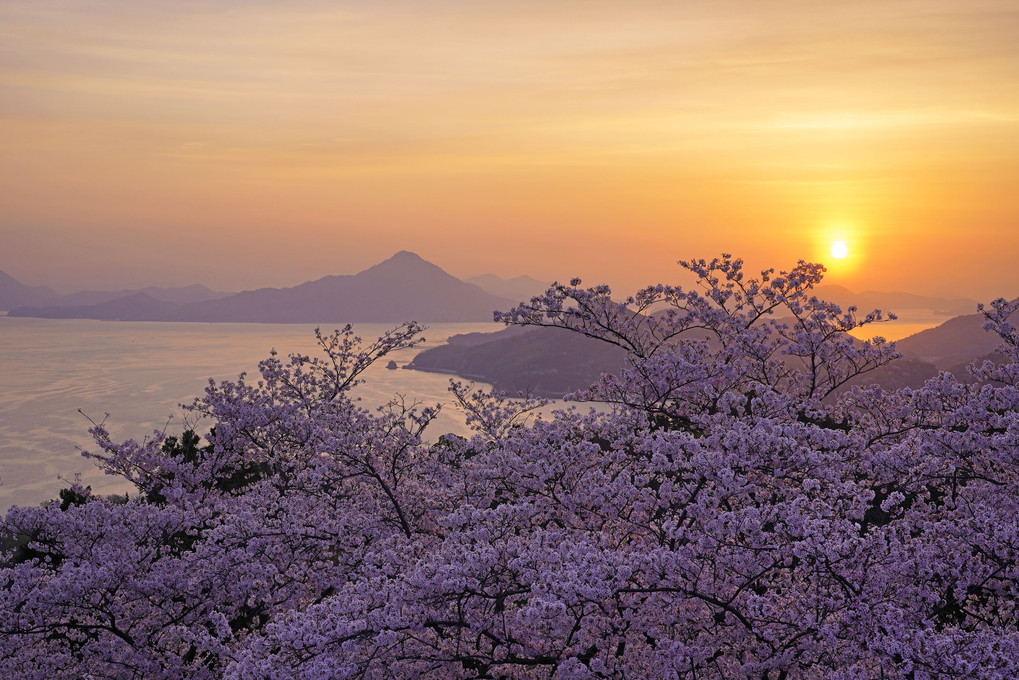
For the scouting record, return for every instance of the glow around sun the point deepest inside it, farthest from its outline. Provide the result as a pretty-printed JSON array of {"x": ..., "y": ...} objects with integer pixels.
[{"x": 839, "y": 250}]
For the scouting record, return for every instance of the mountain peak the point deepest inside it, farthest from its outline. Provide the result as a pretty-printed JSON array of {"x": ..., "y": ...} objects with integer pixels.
[
  {"x": 405, "y": 256},
  {"x": 403, "y": 287},
  {"x": 403, "y": 264}
]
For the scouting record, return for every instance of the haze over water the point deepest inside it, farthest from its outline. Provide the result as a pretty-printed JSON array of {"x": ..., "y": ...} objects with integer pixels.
[{"x": 139, "y": 373}]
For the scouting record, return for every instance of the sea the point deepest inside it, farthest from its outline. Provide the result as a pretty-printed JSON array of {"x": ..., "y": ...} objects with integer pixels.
[
  {"x": 57, "y": 374},
  {"x": 909, "y": 322}
]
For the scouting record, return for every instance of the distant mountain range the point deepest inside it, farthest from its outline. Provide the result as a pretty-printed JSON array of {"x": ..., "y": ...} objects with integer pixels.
[
  {"x": 520, "y": 289},
  {"x": 539, "y": 361},
  {"x": 404, "y": 287},
  {"x": 14, "y": 293},
  {"x": 951, "y": 345},
  {"x": 895, "y": 301},
  {"x": 182, "y": 295}
]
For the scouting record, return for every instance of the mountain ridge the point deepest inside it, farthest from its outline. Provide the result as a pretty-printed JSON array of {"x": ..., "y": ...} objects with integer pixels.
[
  {"x": 401, "y": 288},
  {"x": 13, "y": 293},
  {"x": 518, "y": 288}
]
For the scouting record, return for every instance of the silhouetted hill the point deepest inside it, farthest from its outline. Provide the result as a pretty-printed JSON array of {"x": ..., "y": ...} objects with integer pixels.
[
  {"x": 135, "y": 307},
  {"x": 404, "y": 287},
  {"x": 897, "y": 302},
  {"x": 542, "y": 362},
  {"x": 904, "y": 372},
  {"x": 480, "y": 338},
  {"x": 179, "y": 295},
  {"x": 13, "y": 293},
  {"x": 957, "y": 341},
  {"x": 552, "y": 362},
  {"x": 73, "y": 303},
  {"x": 952, "y": 347},
  {"x": 519, "y": 289},
  {"x": 401, "y": 288}
]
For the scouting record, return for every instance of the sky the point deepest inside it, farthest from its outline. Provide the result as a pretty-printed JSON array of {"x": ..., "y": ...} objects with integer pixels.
[{"x": 243, "y": 144}]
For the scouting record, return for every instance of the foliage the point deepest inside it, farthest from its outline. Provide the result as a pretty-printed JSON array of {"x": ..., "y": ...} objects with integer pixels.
[{"x": 736, "y": 514}]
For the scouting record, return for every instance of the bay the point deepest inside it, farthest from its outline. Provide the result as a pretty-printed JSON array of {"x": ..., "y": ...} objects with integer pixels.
[{"x": 139, "y": 373}]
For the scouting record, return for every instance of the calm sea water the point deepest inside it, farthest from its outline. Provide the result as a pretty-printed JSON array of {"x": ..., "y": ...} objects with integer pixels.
[
  {"x": 139, "y": 373},
  {"x": 909, "y": 322}
]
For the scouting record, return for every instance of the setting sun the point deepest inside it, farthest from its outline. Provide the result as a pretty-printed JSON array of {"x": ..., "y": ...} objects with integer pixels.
[{"x": 839, "y": 250}]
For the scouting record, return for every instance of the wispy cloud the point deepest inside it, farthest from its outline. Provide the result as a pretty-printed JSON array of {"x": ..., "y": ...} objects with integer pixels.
[{"x": 752, "y": 114}]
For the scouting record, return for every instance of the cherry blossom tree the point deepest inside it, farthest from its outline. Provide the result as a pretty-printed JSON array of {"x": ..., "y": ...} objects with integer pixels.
[{"x": 737, "y": 510}]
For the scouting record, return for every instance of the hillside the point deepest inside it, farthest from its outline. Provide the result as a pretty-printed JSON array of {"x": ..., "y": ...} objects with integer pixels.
[
  {"x": 541, "y": 362},
  {"x": 178, "y": 295},
  {"x": 519, "y": 288},
  {"x": 896, "y": 301},
  {"x": 957, "y": 341},
  {"x": 551, "y": 362},
  {"x": 13, "y": 293}
]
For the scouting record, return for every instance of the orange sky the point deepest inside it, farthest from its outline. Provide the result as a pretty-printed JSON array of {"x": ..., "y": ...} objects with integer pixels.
[{"x": 245, "y": 144}]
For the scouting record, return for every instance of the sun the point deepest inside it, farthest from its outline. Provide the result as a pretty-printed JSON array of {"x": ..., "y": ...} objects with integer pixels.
[{"x": 839, "y": 250}]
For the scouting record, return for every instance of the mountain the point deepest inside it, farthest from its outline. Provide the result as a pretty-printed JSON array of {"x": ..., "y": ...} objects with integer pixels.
[
  {"x": 540, "y": 362},
  {"x": 405, "y": 287},
  {"x": 957, "y": 341},
  {"x": 951, "y": 347},
  {"x": 402, "y": 288},
  {"x": 14, "y": 293},
  {"x": 184, "y": 294},
  {"x": 520, "y": 288},
  {"x": 896, "y": 302},
  {"x": 180, "y": 295},
  {"x": 134, "y": 307}
]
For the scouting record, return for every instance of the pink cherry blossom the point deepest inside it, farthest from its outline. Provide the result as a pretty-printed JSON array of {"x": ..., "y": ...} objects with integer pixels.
[{"x": 737, "y": 510}]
